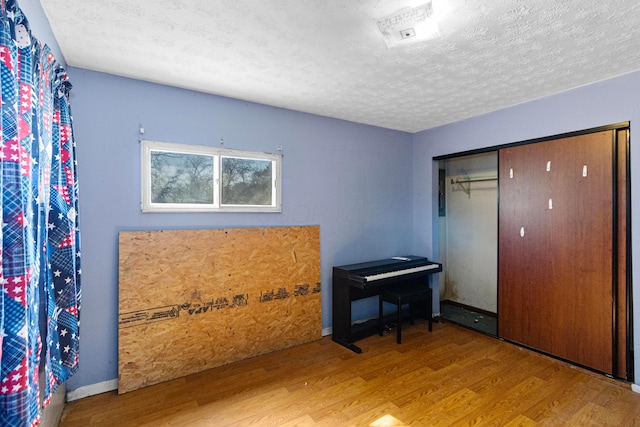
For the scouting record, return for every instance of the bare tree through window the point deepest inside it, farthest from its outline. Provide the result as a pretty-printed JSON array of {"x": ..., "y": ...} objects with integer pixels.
[
  {"x": 246, "y": 181},
  {"x": 181, "y": 178}
]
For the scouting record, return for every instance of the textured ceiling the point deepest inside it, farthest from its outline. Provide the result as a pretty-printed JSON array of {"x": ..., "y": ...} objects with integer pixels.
[{"x": 327, "y": 57}]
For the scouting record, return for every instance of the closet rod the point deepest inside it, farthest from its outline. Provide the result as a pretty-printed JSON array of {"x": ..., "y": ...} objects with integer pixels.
[
  {"x": 468, "y": 181},
  {"x": 458, "y": 181}
]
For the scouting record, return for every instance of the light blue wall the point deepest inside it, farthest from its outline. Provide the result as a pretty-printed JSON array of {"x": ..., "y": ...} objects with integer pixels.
[
  {"x": 608, "y": 102},
  {"x": 352, "y": 180}
]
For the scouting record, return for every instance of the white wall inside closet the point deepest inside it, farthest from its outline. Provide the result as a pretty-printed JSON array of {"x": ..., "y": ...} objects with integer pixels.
[{"x": 469, "y": 231}]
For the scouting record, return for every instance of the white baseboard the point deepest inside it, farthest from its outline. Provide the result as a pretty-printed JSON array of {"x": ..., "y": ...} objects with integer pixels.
[
  {"x": 92, "y": 389},
  {"x": 635, "y": 387}
]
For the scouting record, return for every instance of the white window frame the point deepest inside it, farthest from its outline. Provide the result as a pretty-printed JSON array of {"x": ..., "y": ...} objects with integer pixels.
[{"x": 217, "y": 154}]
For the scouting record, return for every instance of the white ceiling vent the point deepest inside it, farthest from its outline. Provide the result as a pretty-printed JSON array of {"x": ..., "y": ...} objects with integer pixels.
[{"x": 408, "y": 25}]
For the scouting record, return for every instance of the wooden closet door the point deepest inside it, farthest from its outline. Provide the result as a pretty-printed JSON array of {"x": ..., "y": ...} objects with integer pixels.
[{"x": 555, "y": 283}]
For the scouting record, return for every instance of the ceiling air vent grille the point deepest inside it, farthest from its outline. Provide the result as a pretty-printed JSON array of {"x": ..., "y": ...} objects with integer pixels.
[{"x": 407, "y": 25}]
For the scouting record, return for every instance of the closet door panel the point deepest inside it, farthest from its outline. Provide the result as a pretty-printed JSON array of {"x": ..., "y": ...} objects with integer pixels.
[
  {"x": 581, "y": 249},
  {"x": 521, "y": 224},
  {"x": 555, "y": 281}
]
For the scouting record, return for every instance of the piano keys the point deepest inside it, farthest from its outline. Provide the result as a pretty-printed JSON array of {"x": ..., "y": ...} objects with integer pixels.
[{"x": 357, "y": 281}]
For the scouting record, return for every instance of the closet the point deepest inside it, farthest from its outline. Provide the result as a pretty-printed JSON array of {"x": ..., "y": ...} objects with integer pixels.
[
  {"x": 563, "y": 275},
  {"x": 468, "y": 224}
]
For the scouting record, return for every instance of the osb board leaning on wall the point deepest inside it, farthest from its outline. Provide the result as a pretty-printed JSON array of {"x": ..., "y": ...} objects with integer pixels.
[{"x": 191, "y": 300}]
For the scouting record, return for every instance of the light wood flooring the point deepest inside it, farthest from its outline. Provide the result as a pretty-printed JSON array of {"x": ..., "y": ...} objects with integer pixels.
[{"x": 450, "y": 377}]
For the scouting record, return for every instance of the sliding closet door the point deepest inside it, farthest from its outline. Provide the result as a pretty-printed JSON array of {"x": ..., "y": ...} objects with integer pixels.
[{"x": 555, "y": 289}]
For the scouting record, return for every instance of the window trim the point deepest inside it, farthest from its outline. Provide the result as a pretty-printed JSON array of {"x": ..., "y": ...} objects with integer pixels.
[{"x": 149, "y": 146}]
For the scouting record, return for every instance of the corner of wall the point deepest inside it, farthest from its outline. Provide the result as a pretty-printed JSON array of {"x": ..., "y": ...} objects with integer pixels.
[{"x": 92, "y": 389}]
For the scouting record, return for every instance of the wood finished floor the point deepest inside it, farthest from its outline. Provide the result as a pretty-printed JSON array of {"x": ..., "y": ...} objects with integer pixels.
[{"x": 450, "y": 377}]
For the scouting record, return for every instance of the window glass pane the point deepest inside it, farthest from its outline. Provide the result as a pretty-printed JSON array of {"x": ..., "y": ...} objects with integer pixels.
[
  {"x": 246, "y": 181},
  {"x": 181, "y": 178}
]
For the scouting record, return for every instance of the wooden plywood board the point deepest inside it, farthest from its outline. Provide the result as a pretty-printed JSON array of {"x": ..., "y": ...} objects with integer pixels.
[{"x": 191, "y": 300}]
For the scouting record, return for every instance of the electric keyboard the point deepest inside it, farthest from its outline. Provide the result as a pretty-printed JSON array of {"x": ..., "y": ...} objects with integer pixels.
[
  {"x": 397, "y": 273},
  {"x": 357, "y": 281},
  {"x": 360, "y": 275}
]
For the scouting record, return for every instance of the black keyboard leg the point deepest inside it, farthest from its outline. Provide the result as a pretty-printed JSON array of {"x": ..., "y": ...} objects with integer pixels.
[
  {"x": 380, "y": 317},
  {"x": 399, "y": 339},
  {"x": 348, "y": 345}
]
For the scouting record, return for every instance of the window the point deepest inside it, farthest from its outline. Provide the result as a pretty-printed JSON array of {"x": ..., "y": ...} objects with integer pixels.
[{"x": 195, "y": 178}]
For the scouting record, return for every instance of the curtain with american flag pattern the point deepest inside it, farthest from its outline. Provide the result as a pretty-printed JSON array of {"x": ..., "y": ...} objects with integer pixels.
[{"x": 40, "y": 241}]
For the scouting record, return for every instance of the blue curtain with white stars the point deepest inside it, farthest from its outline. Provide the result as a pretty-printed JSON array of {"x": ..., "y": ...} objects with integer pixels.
[{"x": 40, "y": 240}]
